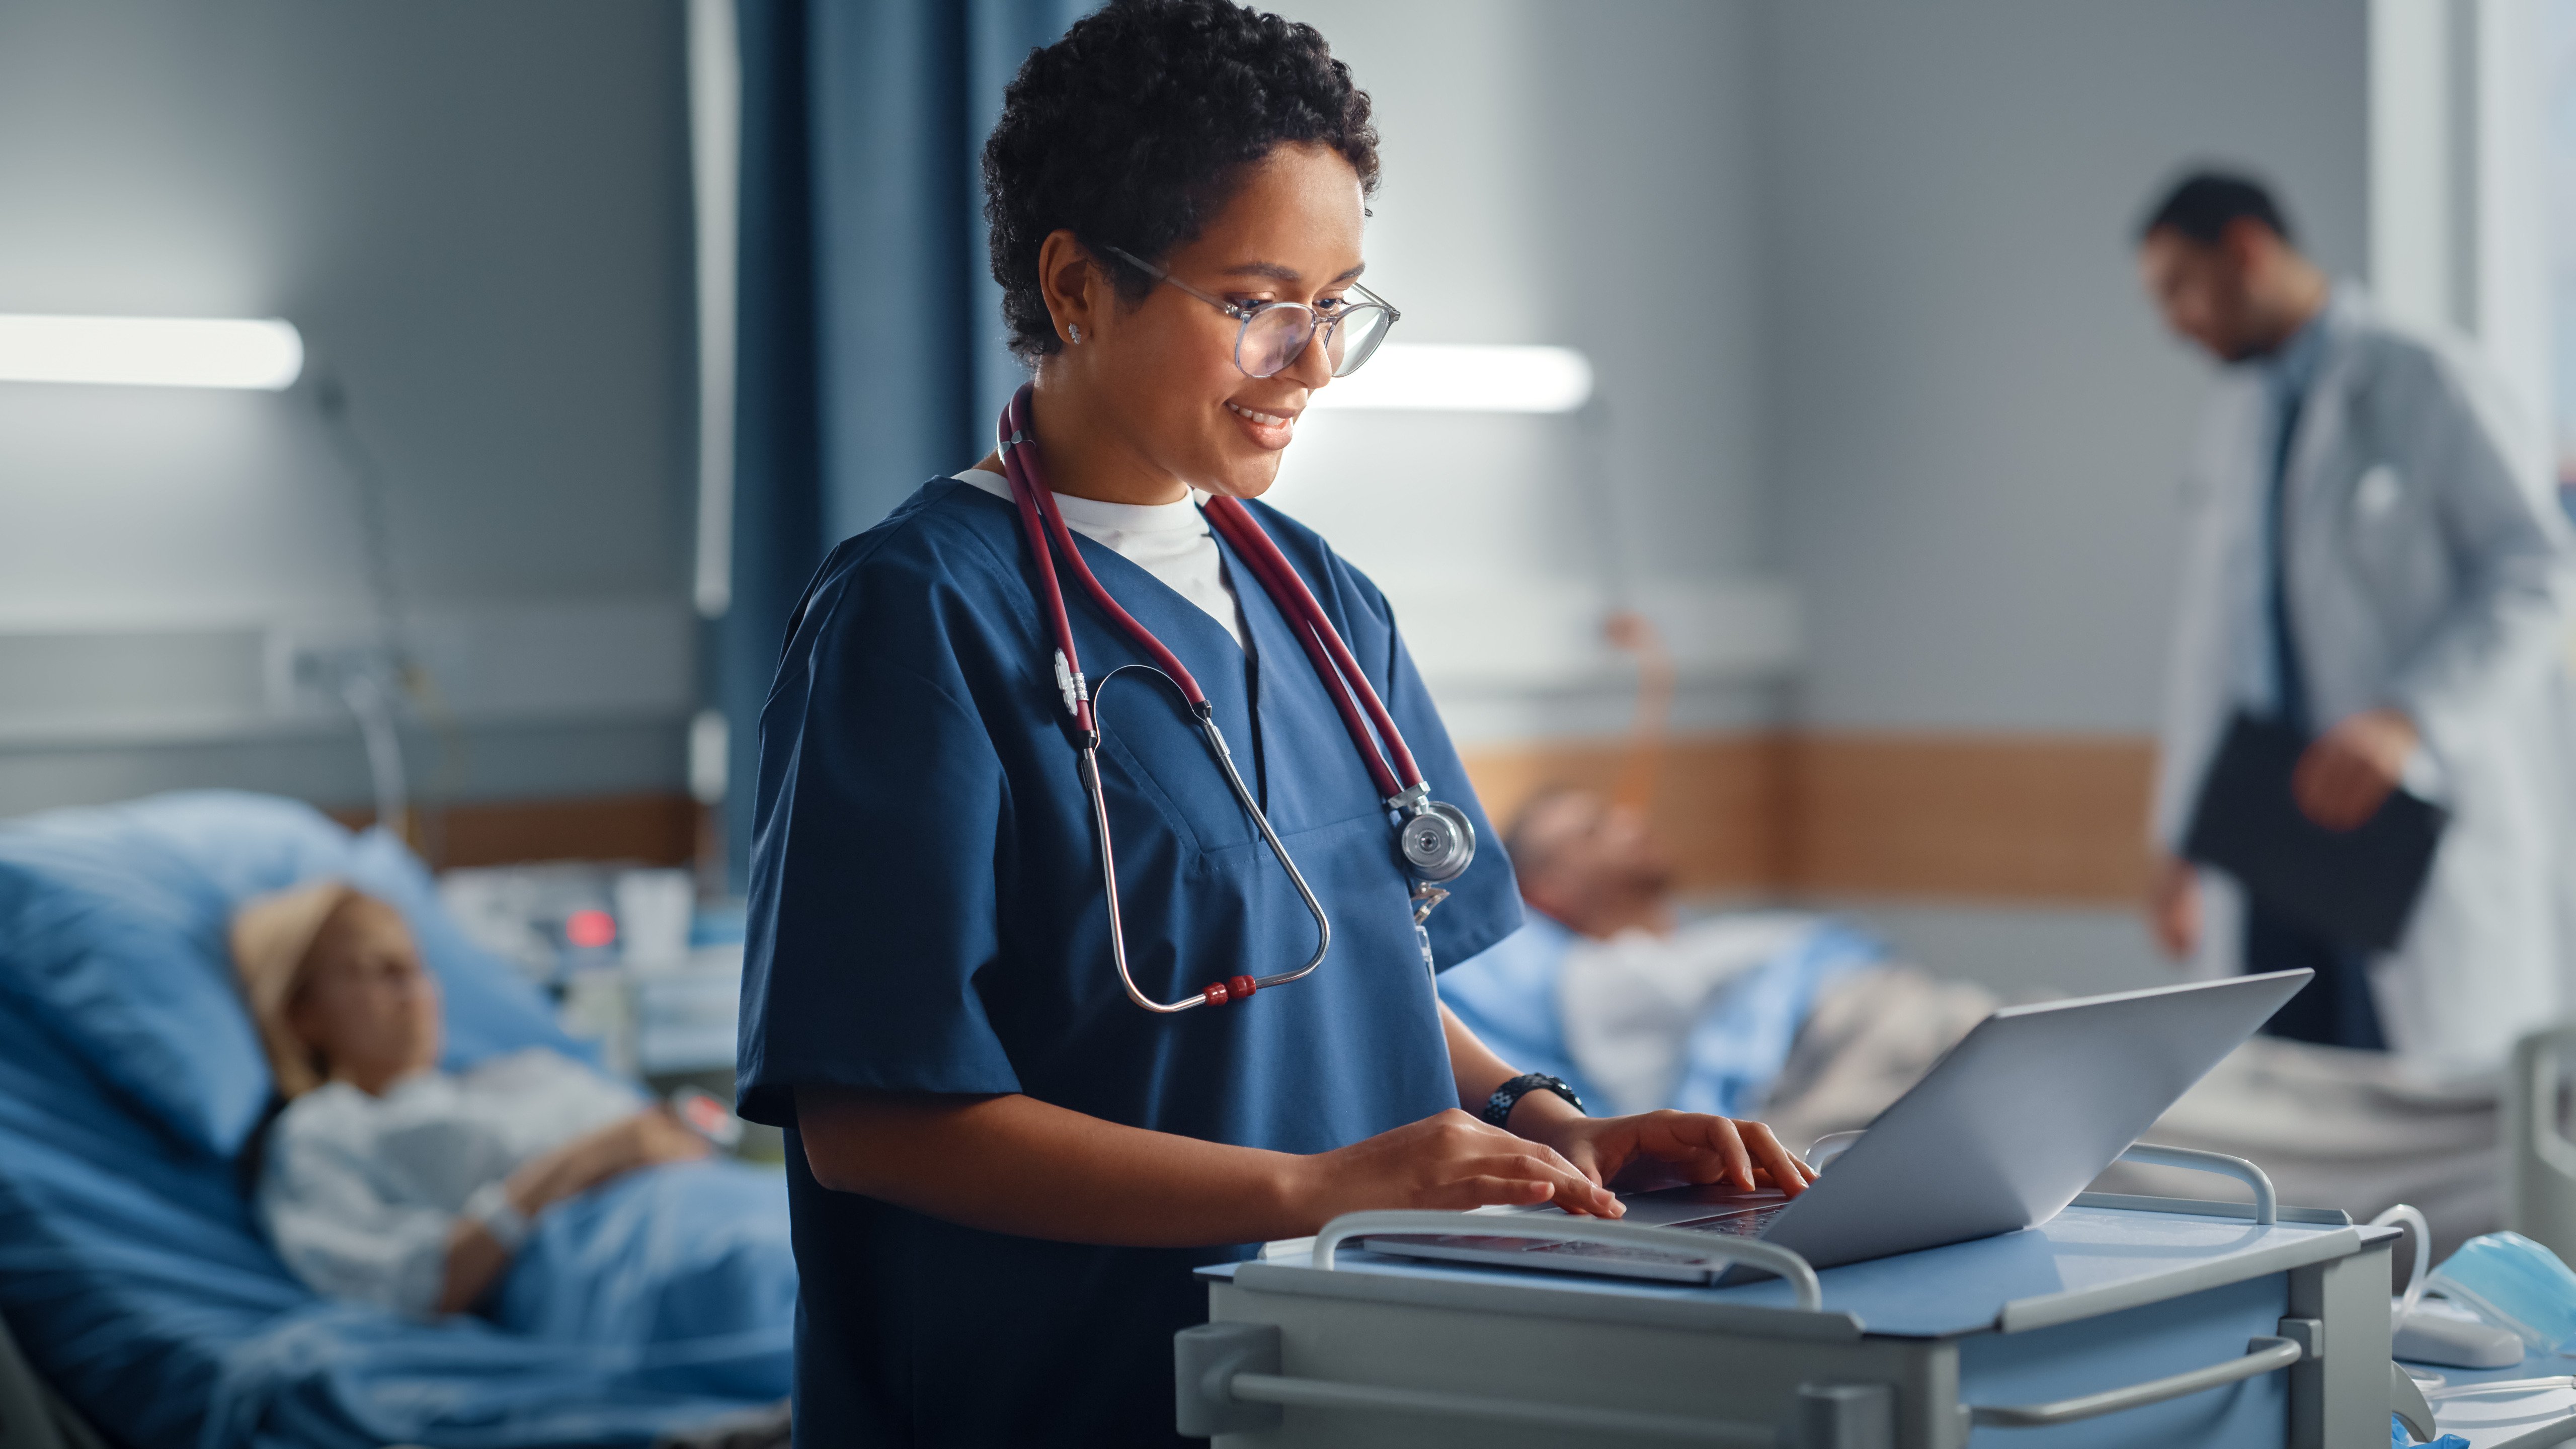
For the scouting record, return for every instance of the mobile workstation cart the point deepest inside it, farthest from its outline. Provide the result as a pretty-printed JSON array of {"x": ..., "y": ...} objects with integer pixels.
[{"x": 2120, "y": 1322}]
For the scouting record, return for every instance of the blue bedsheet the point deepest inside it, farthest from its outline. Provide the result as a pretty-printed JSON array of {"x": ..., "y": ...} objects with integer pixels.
[
  {"x": 129, "y": 1268},
  {"x": 1735, "y": 1047},
  {"x": 1507, "y": 997}
]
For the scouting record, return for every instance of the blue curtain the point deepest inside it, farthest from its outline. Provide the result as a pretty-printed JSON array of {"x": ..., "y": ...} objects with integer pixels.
[{"x": 869, "y": 328}]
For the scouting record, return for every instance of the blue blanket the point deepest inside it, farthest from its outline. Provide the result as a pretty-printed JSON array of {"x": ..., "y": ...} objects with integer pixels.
[
  {"x": 1735, "y": 1047},
  {"x": 667, "y": 1297},
  {"x": 129, "y": 1267}
]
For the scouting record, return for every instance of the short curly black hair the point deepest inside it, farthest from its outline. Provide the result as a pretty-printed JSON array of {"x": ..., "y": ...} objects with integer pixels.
[{"x": 1134, "y": 130}]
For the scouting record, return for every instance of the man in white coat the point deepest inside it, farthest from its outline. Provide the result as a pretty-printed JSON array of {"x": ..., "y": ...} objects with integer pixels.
[{"x": 2373, "y": 556}]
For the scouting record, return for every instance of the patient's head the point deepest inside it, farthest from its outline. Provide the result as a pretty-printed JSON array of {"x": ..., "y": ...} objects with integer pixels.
[
  {"x": 336, "y": 983},
  {"x": 1590, "y": 863}
]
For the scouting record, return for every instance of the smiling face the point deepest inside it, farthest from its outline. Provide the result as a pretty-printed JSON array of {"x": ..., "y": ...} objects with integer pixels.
[
  {"x": 1150, "y": 401},
  {"x": 365, "y": 1005}
]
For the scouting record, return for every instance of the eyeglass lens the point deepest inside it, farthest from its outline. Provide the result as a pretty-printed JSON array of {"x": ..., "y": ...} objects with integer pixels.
[{"x": 1275, "y": 337}]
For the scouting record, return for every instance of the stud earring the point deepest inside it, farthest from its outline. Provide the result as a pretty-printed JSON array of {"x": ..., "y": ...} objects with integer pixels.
[{"x": 1074, "y": 331}]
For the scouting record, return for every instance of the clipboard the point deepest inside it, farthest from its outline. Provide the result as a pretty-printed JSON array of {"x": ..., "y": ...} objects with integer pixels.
[{"x": 2357, "y": 887}]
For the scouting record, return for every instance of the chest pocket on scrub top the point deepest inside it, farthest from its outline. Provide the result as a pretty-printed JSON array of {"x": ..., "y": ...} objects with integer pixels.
[{"x": 1163, "y": 789}]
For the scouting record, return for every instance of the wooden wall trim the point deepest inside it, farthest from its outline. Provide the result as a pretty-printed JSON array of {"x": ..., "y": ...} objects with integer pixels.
[
  {"x": 1981, "y": 817},
  {"x": 2057, "y": 819},
  {"x": 1984, "y": 817},
  {"x": 650, "y": 829},
  {"x": 1717, "y": 802}
]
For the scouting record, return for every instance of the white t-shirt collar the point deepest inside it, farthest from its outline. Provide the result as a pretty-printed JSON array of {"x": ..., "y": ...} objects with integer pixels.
[{"x": 1179, "y": 516}]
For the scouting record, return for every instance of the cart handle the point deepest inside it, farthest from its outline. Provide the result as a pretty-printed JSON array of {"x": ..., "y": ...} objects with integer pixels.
[
  {"x": 1300, "y": 1393},
  {"x": 1710, "y": 1247},
  {"x": 2267, "y": 1203},
  {"x": 2262, "y": 1356},
  {"x": 1229, "y": 1379}
]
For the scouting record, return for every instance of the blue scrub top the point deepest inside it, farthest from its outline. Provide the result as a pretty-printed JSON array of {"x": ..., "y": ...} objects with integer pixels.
[{"x": 927, "y": 916}]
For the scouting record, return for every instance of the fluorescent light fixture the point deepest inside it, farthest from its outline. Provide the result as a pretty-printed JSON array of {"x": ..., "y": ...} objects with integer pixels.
[
  {"x": 151, "y": 351},
  {"x": 1460, "y": 378}
]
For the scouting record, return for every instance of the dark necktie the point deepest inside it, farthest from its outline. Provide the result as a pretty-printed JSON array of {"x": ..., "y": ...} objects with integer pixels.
[{"x": 2291, "y": 704}]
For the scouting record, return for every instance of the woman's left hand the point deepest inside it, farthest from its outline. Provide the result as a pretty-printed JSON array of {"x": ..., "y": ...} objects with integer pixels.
[{"x": 1693, "y": 1146}]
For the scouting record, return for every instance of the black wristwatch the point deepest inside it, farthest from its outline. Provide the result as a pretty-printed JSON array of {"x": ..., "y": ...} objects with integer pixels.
[{"x": 1498, "y": 1107}]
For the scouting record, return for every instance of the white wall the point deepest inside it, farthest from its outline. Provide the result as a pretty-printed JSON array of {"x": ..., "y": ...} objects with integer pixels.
[
  {"x": 1857, "y": 275},
  {"x": 1980, "y": 425},
  {"x": 1857, "y": 278},
  {"x": 1580, "y": 175},
  {"x": 477, "y": 213}
]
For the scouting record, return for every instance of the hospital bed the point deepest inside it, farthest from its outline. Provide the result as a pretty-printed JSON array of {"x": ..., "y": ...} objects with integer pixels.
[
  {"x": 144, "y": 1309},
  {"x": 33, "y": 1416}
]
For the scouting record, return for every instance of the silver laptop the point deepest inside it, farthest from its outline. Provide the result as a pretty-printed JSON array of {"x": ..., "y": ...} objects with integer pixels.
[{"x": 2002, "y": 1133}]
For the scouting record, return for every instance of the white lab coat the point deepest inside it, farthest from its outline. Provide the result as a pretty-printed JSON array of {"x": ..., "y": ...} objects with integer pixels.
[{"x": 2429, "y": 568}]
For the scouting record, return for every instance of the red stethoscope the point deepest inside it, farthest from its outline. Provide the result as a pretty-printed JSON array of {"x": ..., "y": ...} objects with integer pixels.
[{"x": 1434, "y": 839}]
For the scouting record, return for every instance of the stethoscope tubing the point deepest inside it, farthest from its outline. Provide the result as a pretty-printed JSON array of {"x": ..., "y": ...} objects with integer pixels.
[
  {"x": 1087, "y": 764},
  {"x": 1040, "y": 519},
  {"x": 1030, "y": 488},
  {"x": 1323, "y": 644}
]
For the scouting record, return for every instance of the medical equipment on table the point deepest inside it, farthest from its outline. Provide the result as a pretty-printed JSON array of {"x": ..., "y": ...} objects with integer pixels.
[
  {"x": 706, "y": 1114},
  {"x": 2523, "y": 1407},
  {"x": 1434, "y": 839},
  {"x": 2500, "y": 1403},
  {"x": 2420, "y": 1335},
  {"x": 2515, "y": 1284},
  {"x": 2122, "y": 1321}
]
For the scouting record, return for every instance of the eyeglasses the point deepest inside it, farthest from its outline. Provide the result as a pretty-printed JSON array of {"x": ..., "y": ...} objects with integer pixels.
[{"x": 1275, "y": 334}]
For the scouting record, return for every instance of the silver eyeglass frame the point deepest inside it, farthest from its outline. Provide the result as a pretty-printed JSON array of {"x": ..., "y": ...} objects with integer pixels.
[{"x": 1317, "y": 325}]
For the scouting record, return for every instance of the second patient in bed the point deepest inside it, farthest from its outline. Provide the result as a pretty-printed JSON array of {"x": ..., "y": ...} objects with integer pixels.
[
  {"x": 1801, "y": 1017},
  {"x": 1812, "y": 1024},
  {"x": 384, "y": 1179}
]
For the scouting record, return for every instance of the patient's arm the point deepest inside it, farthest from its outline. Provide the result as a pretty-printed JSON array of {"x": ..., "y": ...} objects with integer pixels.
[
  {"x": 475, "y": 1259},
  {"x": 1013, "y": 1164}
]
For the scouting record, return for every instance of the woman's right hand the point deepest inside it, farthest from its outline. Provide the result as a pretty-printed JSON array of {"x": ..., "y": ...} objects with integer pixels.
[
  {"x": 646, "y": 1139},
  {"x": 1446, "y": 1161},
  {"x": 475, "y": 1259}
]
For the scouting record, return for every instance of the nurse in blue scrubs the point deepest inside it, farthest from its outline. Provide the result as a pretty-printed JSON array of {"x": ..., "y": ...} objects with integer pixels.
[{"x": 1002, "y": 1169}]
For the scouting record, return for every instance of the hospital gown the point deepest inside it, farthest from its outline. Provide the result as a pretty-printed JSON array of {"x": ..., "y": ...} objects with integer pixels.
[
  {"x": 358, "y": 1192},
  {"x": 677, "y": 1279}
]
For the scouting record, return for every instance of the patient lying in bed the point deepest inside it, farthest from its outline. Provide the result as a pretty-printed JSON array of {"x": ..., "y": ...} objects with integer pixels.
[{"x": 387, "y": 1181}]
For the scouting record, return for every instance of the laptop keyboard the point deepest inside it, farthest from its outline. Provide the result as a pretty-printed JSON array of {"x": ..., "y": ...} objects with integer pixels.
[
  {"x": 1676, "y": 1264},
  {"x": 1742, "y": 1224}
]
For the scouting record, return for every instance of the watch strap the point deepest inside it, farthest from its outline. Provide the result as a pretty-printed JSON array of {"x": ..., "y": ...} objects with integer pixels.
[{"x": 1498, "y": 1107}]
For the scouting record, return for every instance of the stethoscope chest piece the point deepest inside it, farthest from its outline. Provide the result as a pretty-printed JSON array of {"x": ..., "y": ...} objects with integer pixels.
[
  {"x": 1437, "y": 841},
  {"x": 1434, "y": 839}
]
